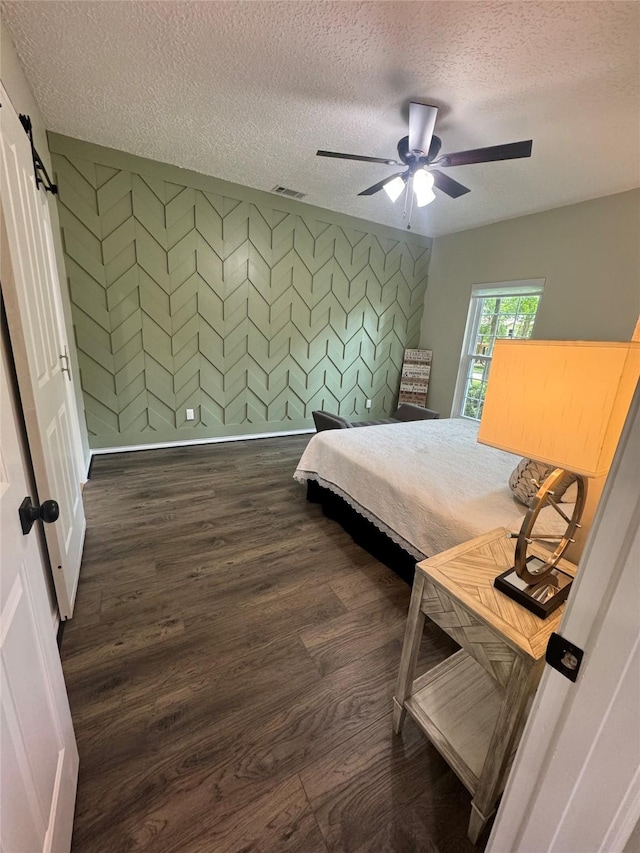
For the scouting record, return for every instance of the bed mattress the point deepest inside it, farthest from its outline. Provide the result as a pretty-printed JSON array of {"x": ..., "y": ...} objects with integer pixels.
[{"x": 428, "y": 485}]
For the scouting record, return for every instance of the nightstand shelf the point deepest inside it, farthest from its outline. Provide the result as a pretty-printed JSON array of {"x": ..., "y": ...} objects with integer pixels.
[
  {"x": 457, "y": 704},
  {"x": 473, "y": 705}
]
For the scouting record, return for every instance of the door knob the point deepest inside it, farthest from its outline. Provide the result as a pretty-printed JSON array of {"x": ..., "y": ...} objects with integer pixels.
[{"x": 48, "y": 511}]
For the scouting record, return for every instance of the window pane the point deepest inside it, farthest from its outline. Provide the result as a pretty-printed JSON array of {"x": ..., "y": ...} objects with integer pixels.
[
  {"x": 483, "y": 345},
  {"x": 523, "y": 326},
  {"x": 505, "y": 325},
  {"x": 475, "y": 387},
  {"x": 470, "y": 409},
  {"x": 529, "y": 304},
  {"x": 508, "y": 304}
]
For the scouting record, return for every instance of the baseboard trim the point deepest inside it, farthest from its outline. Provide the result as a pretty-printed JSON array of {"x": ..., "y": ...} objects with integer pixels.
[{"x": 99, "y": 451}]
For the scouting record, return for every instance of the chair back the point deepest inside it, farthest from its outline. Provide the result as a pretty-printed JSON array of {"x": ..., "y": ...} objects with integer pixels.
[{"x": 325, "y": 420}]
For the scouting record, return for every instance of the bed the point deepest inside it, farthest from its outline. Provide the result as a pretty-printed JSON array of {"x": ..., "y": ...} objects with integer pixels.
[{"x": 425, "y": 485}]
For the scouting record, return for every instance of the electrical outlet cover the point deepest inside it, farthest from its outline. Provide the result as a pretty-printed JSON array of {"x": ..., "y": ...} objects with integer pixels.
[{"x": 190, "y": 415}]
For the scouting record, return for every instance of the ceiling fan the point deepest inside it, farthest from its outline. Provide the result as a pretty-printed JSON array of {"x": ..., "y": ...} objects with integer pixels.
[{"x": 419, "y": 153}]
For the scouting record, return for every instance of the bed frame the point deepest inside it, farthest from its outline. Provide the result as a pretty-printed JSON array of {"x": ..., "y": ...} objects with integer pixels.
[{"x": 363, "y": 532}]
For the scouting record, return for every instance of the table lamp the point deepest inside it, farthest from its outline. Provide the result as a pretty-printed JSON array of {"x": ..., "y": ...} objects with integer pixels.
[{"x": 563, "y": 403}]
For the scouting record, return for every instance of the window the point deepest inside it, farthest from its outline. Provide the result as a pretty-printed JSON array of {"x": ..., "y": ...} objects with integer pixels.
[{"x": 496, "y": 312}]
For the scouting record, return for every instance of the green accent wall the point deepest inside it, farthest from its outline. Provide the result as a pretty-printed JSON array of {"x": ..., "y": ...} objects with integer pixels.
[{"x": 251, "y": 309}]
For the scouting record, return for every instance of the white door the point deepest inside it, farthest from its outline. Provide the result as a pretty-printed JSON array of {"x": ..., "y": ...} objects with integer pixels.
[
  {"x": 38, "y": 755},
  {"x": 36, "y": 326},
  {"x": 575, "y": 783}
]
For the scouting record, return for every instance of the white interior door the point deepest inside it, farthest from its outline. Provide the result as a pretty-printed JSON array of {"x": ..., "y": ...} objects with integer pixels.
[
  {"x": 38, "y": 338},
  {"x": 38, "y": 755},
  {"x": 574, "y": 786}
]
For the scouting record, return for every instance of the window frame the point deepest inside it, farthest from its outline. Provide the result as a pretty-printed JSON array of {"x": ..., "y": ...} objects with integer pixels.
[{"x": 479, "y": 292}]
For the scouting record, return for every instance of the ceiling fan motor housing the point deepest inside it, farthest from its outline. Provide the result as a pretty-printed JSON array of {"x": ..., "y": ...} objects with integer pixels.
[{"x": 418, "y": 158}]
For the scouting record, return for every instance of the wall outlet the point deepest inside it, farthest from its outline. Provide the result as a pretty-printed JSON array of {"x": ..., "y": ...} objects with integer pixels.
[
  {"x": 190, "y": 415},
  {"x": 367, "y": 405}
]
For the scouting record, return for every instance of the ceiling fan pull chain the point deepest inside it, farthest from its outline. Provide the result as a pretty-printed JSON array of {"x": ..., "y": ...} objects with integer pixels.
[{"x": 409, "y": 198}]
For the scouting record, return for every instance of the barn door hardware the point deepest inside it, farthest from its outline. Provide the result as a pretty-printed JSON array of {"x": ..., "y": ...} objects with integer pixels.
[{"x": 38, "y": 166}]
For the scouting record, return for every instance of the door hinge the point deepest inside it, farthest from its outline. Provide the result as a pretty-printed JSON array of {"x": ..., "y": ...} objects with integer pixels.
[
  {"x": 66, "y": 369},
  {"x": 562, "y": 655}
]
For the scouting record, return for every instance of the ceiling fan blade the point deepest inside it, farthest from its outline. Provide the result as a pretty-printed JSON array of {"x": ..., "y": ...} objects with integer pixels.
[
  {"x": 377, "y": 187},
  {"x": 448, "y": 185},
  {"x": 357, "y": 157},
  {"x": 510, "y": 151},
  {"x": 422, "y": 120}
]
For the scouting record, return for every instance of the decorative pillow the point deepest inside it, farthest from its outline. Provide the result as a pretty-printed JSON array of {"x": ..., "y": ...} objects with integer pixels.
[
  {"x": 524, "y": 490},
  {"x": 571, "y": 495}
]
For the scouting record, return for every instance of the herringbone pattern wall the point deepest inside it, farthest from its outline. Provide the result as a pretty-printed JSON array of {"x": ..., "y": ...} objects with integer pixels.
[{"x": 250, "y": 314}]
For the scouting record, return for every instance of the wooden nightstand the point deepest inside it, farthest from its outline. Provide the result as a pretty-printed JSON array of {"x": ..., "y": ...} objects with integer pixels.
[{"x": 473, "y": 705}]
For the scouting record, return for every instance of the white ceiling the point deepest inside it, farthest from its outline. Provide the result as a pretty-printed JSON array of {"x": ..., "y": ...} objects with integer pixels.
[{"x": 247, "y": 91}]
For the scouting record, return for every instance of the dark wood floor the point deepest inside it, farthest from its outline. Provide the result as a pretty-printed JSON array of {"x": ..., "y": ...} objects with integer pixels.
[{"x": 231, "y": 664}]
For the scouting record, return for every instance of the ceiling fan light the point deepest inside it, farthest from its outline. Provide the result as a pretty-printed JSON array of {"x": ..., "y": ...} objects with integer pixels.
[
  {"x": 423, "y": 187},
  {"x": 394, "y": 188}
]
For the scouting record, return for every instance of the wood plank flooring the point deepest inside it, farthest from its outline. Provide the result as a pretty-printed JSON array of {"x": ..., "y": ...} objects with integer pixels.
[{"x": 230, "y": 669}]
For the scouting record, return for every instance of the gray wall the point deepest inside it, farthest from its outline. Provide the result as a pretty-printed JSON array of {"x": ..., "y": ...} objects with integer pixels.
[
  {"x": 250, "y": 308},
  {"x": 589, "y": 254}
]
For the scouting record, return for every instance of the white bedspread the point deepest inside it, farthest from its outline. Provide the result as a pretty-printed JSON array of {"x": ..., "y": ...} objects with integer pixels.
[{"x": 428, "y": 485}]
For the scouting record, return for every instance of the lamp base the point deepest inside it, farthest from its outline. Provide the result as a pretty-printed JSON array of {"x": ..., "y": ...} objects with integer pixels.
[{"x": 542, "y": 597}]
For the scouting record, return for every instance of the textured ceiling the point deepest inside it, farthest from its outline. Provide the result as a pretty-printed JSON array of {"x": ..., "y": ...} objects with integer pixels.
[{"x": 247, "y": 91}]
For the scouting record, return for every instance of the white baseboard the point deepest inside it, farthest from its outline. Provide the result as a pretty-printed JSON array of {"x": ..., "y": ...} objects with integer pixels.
[{"x": 189, "y": 442}]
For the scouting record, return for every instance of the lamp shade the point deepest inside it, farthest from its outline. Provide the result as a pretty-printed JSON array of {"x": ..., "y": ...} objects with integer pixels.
[{"x": 560, "y": 402}]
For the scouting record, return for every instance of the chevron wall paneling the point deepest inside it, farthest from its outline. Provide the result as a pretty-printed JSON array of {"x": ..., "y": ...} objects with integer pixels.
[{"x": 250, "y": 309}]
